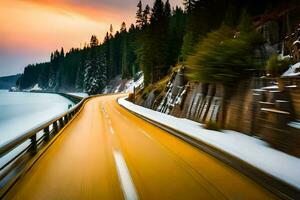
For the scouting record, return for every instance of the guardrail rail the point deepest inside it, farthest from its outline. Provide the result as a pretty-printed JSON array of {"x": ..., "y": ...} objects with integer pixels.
[{"x": 17, "y": 154}]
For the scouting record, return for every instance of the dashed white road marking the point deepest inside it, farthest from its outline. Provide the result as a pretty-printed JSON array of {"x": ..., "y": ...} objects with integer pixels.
[
  {"x": 110, "y": 126},
  {"x": 111, "y": 130},
  {"x": 128, "y": 187},
  {"x": 105, "y": 112}
]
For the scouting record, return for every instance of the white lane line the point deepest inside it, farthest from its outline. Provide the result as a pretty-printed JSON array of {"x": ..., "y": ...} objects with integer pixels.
[
  {"x": 109, "y": 121},
  {"x": 105, "y": 112},
  {"x": 128, "y": 188},
  {"x": 110, "y": 126},
  {"x": 111, "y": 130}
]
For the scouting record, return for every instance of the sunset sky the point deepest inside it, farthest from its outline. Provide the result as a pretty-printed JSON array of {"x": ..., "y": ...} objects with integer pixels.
[{"x": 31, "y": 29}]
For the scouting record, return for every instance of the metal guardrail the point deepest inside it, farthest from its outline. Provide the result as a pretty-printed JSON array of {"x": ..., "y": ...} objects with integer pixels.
[
  {"x": 31, "y": 134},
  {"x": 48, "y": 131}
]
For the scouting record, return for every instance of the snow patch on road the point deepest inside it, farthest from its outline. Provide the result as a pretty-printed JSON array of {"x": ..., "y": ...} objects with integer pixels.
[{"x": 249, "y": 149}]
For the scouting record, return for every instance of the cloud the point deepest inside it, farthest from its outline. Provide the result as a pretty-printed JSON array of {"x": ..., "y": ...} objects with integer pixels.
[
  {"x": 41, "y": 26},
  {"x": 103, "y": 10}
]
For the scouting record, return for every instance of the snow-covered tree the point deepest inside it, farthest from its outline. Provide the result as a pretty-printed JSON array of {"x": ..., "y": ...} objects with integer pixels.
[{"x": 95, "y": 76}]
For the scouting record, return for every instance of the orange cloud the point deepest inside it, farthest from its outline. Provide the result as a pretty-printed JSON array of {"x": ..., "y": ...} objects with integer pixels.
[
  {"x": 99, "y": 11},
  {"x": 48, "y": 25}
]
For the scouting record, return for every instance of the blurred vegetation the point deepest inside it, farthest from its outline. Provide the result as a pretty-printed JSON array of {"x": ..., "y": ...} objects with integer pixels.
[
  {"x": 276, "y": 66},
  {"x": 226, "y": 55},
  {"x": 212, "y": 125}
]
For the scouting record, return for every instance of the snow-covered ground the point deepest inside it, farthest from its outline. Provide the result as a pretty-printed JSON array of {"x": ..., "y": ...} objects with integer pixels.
[
  {"x": 34, "y": 88},
  {"x": 249, "y": 149},
  {"x": 133, "y": 84},
  {"x": 20, "y": 111},
  {"x": 119, "y": 85},
  {"x": 294, "y": 70},
  {"x": 79, "y": 94}
]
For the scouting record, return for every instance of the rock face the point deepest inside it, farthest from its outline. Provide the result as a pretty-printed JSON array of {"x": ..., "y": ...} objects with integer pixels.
[
  {"x": 258, "y": 107},
  {"x": 149, "y": 101},
  {"x": 175, "y": 93}
]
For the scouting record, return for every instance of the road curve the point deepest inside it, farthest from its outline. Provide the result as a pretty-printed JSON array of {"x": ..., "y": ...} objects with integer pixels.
[{"x": 108, "y": 153}]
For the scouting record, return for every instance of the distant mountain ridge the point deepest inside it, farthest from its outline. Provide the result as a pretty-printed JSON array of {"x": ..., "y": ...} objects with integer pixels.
[{"x": 6, "y": 82}]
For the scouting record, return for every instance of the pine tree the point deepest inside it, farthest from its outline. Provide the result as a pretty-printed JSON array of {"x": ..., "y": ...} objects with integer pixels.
[
  {"x": 167, "y": 9},
  {"x": 132, "y": 28},
  {"x": 111, "y": 31},
  {"x": 175, "y": 35},
  {"x": 53, "y": 79},
  {"x": 79, "y": 76},
  {"x": 94, "y": 41},
  {"x": 123, "y": 28},
  {"x": 157, "y": 11},
  {"x": 146, "y": 16},
  {"x": 106, "y": 38},
  {"x": 139, "y": 15},
  {"x": 62, "y": 53},
  {"x": 125, "y": 71},
  {"x": 93, "y": 80},
  {"x": 104, "y": 69}
]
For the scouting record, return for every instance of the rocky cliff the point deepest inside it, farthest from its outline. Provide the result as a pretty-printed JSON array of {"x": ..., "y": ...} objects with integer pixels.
[{"x": 261, "y": 107}]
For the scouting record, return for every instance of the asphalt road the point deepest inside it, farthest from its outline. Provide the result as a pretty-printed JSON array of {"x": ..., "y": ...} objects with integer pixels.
[{"x": 108, "y": 153}]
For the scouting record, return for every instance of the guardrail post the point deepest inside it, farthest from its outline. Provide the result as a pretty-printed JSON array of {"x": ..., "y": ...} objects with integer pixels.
[
  {"x": 55, "y": 127},
  {"x": 66, "y": 119},
  {"x": 33, "y": 141},
  {"x": 47, "y": 133},
  {"x": 61, "y": 122}
]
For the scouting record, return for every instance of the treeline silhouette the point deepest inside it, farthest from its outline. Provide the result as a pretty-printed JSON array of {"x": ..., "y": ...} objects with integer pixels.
[{"x": 161, "y": 37}]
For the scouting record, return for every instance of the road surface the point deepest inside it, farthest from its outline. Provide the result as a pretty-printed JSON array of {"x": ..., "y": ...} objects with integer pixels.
[{"x": 108, "y": 153}]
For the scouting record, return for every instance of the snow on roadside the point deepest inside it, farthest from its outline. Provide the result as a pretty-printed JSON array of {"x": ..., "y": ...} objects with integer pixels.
[
  {"x": 249, "y": 149},
  {"x": 79, "y": 94},
  {"x": 34, "y": 88},
  {"x": 119, "y": 85},
  {"x": 294, "y": 70},
  {"x": 131, "y": 84}
]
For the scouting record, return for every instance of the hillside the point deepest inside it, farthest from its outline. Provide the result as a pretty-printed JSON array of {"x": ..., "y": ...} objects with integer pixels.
[{"x": 7, "y": 82}]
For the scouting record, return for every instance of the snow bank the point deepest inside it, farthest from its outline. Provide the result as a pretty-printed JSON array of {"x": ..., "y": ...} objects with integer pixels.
[
  {"x": 119, "y": 85},
  {"x": 249, "y": 149},
  {"x": 134, "y": 84},
  {"x": 79, "y": 94},
  {"x": 292, "y": 71},
  {"x": 34, "y": 88}
]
